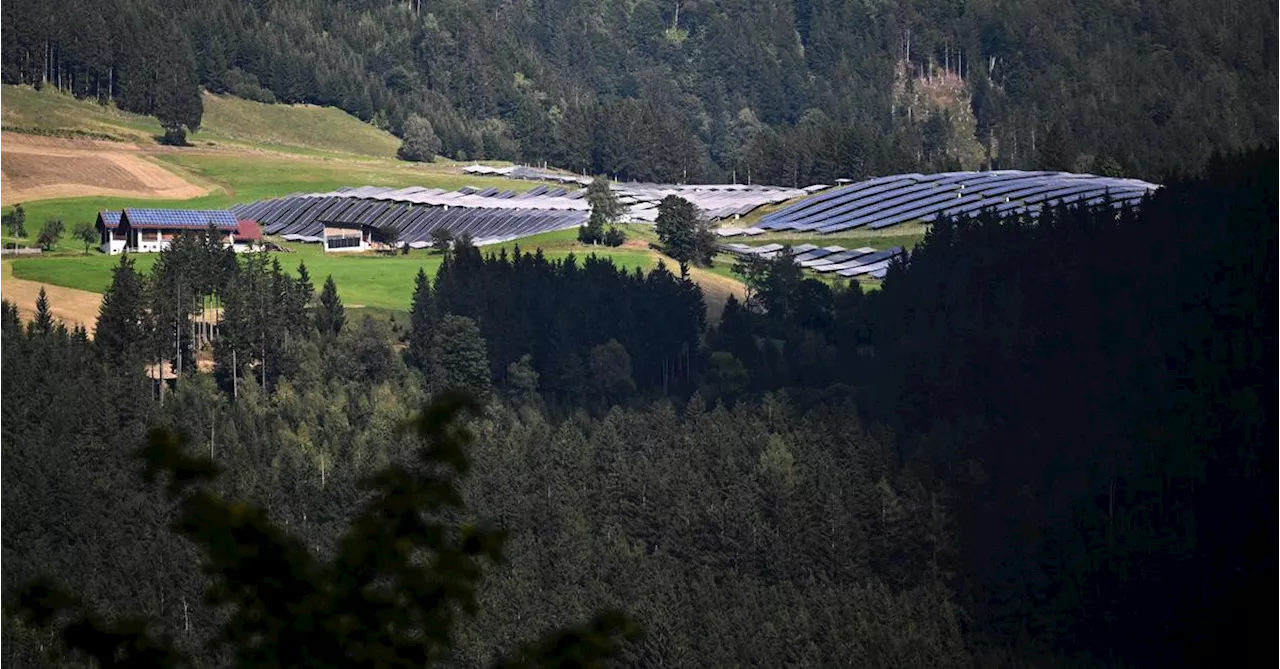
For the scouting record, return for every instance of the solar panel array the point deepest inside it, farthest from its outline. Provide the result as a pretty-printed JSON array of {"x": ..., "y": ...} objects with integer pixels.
[
  {"x": 522, "y": 172},
  {"x": 180, "y": 218},
  {"x": 415, "y": 212},
  {"x": 541, "y": 209},
  {"x": 886, "y": 201},
  {"x": 716, "y": 201},
  {"x": 111, "y": 219},
  {"x": 828, "y": 259}
]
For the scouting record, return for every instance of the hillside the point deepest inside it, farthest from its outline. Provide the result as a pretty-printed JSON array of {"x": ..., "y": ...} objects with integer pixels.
[
  {"x": 787, "y": 92},
  {"x": 228, "y": 122}
]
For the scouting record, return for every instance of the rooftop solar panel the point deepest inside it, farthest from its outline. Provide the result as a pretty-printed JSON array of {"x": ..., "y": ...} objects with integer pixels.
[{"x": 179, "y": 218}]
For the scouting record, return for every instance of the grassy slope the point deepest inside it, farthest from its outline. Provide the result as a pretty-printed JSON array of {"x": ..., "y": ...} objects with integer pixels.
[
  {"x": 56, "y": 114},
  {"x": 228, "y": 122},
  {"x": 295, "y": 128}
]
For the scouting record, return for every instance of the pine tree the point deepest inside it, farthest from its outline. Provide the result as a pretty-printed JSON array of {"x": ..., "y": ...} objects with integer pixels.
[
  {"x": 121, "y": 331},
  {"x": 331, "y": 316},
  {"x": 422, "y": 320},
  {"x": 301, "y": 297},
  {"x": 1056, "y": 152},
  {"x": 42, "y": 324}
]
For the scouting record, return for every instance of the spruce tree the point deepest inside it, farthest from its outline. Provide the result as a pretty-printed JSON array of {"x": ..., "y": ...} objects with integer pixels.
[
  {"x": 300, "y": 297},
  {"x": 331, "y": 316},
  {"x": 121, "y": 329},
  {"x": 42, "y": 324},
  {"x": 422, "y": 320},
  {"x": 178, "y": 102},
  {"x": 461, "y": 359}
]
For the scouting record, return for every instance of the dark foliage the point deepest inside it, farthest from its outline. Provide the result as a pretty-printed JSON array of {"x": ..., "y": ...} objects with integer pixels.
[
  {"x": 1090, "y": 389},
  {"x": 558, "y": 311}
]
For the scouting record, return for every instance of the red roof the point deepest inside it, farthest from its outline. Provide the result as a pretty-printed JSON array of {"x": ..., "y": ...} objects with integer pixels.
[{"x": 248, "y": 230}]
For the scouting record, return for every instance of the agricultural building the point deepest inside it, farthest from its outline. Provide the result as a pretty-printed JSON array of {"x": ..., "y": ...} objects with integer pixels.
[{"x": 152, "y": 230}]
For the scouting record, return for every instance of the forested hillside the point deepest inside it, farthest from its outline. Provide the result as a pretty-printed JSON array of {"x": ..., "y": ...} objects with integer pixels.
[
  {"x": 1045, "y": 444},
  {"x": 773, "y": 91}
]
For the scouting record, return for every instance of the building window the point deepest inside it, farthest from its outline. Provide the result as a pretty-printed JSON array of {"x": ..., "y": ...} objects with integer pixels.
[{"x": 341, "y": 242}]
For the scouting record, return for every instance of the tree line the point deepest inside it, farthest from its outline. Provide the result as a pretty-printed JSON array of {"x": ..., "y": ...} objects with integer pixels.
[{"x": 783, "y": 92}]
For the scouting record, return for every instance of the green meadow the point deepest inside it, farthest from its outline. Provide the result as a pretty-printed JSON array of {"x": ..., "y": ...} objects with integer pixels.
[{"x": 364, "y": 280}]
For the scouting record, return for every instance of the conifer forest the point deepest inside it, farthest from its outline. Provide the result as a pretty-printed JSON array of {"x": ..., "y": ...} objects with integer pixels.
[{"x": 1038, "y": 442}]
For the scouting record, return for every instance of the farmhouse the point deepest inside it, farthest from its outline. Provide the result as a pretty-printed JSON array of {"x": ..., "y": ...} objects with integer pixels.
[{"x": 152, "y": 230}]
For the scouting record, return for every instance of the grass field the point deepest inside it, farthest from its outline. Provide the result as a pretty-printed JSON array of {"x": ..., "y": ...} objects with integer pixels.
[
  {"x": 292, "y": 128},
  {"x": 364, "y": 280},
  {"x": 228, "y": 122}
]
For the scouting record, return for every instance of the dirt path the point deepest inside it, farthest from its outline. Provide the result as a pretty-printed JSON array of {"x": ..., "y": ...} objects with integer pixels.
[
  {"x": 69, "y": 305},
  {"x": 41, "y": 168},
  {"x": 716, "y": 290}
]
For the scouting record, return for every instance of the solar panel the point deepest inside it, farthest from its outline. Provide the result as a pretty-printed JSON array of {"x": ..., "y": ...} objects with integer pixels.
[
  {"x": 110, "y": 219},
  {"x": 179, "y": 218}
]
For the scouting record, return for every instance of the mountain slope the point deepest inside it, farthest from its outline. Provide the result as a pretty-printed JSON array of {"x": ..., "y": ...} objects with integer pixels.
[{"x": 785, "y": 91}]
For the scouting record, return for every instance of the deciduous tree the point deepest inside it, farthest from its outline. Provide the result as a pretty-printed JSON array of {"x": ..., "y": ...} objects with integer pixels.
[
  {"x": 50, "y": 233},
  {"x": 87, "y": 235},
  {"x": 420, "y": 143}
]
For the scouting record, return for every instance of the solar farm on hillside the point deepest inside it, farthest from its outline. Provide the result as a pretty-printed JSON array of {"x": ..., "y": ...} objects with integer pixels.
[{"x": 903, "y": 198}]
